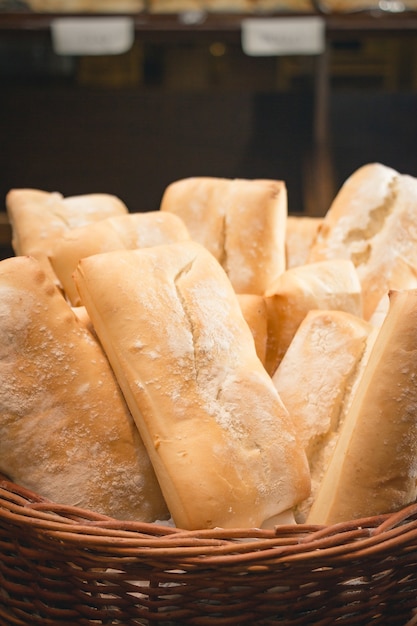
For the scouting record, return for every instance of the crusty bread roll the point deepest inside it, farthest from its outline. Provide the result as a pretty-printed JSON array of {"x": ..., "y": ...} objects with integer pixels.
[
  {"x": 174, "y": 6},
  {"x": 222, "y": 444},
  {"x": 372, "y": 222},
  {"x": 231, "y": 6},
  {"x": 38, "y": 218},
  {"x": 256, "y": 6},
  {"x": 65, "y": 430},
  {"x": 356, "y": 6},
  {"x": 323, "y": 285},
  {"x": 300, "y": 235},
  {"x": 295, "y": 6},
  {"x": 315, "y": 379},
  {"x": 255, "y": 313},
  {"x": 241, "y": 222},
  {"x": 373, "y": 467},
  {"x": 135, "y": 230},
  {"x": 89, "y": 6}
]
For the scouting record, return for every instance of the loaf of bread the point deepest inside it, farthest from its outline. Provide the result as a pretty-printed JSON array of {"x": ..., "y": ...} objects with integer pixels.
[
  {"x": 315, "y": 380},
  {"x": 356, "y": 6},
  {"x": 373, "y": 467},
  {"x": 241, "y": 222},
  {"x": 322, "y": 285},
  {"x": 257, "y": 6},
  {"x": 231, "y": 6},
  {"x": 372, "y": 222},
  {"x": 222, "y": 444},
  {"x": 65, "y": 429},
  {"x": 217, "y": 361},
  {"x": 38, "y": 218},
  {"x": 174, "y": 6},
  {"x": 134, "y": 230},
  {"x": 294, "y": 6},
  {"x": 86, "y": 6}
]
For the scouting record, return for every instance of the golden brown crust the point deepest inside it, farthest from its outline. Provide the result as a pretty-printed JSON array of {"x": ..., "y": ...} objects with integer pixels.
[
  {"x": 354, "y": 6},
  {"x": 373, "y": 468},
  {"x": 221, "y": 442},
  {"x": 135, "y": 230},
  {"x": 65, "y": 430},
  {"x": 322, "y": 285},
  {"x": 174, "y": 6},
  {"x": 372, "y": 222},
  {"x": 241, "y": 222},
  {"x": 90, "y": 6},
  {"x": 315, "y": 380},
  {"x": 38, "y": 218}
]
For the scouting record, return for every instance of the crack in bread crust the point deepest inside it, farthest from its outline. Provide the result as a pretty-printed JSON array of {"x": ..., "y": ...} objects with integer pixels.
[{"x": 376, "y": 221}]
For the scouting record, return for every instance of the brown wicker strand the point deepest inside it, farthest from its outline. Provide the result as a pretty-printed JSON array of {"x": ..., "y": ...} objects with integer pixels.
[{"x": 64, "y": 565}]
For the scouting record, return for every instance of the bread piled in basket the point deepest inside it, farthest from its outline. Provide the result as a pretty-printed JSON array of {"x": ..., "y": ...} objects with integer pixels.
[{"x": 201, "y": 429}]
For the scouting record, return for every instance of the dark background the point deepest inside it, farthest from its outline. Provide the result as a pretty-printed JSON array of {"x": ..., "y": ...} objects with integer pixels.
[{"x": 131, "y": 124}]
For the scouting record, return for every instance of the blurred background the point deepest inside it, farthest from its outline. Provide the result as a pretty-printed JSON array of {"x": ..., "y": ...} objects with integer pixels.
[{"x": 185, "y": 100}]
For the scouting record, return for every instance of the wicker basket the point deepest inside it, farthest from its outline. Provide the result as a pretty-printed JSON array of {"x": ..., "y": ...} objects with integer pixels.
[{"x": 63, "y": 565}]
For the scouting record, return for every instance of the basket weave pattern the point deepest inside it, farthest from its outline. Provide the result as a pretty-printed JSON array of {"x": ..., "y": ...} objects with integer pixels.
[{"x": 64, "y": 565}]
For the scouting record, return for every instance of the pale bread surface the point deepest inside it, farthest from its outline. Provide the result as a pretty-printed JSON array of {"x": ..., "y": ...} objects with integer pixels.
[
  {"x": 314, "y": 381},
  {"x": 222, "y": 443},
  {"x": 134, "y": 230},
  {"x": 65, "y": 430},
  {"x": 373, "y": 467},
  {"x": 88, "y": 6},
  {"x": 38, "y": 218},
  {"x": 174, "y": 6},
  {"x": 322, "y": 285},
  {"x": 241, "y": 222},
  {"x": 372, "y": 222}
]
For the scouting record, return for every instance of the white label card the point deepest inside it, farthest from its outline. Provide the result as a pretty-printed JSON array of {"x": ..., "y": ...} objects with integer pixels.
[
  {"x": 92, "y": 35},
  {"x": 283, "y": 36}
]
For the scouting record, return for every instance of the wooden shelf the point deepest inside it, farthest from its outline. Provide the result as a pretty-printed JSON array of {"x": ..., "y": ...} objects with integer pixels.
[
  {"x": 222, "y": 23},
  {"x": 174, "y": 29}
]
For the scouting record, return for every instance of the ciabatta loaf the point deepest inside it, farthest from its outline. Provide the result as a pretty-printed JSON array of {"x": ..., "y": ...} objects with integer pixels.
[
  {"x": 241, "y": 222},
  {"x": 373, "y": 467},
  {"x": 38, "y": 218},
  {"x": 222, "y": 444},
  {"x": 297, "y": 6},
  {"x": 86, "y": 6},
  {"x": 135, "y": 230},
  {"x": 323, "y": 285},
  {"x": 174, "y": 6},
  {"x": 254, "y": 6},
  {"x": 65, "y": 430},
  {"x": 315, "y": 380},
  {"x": 372, "y": 222}
]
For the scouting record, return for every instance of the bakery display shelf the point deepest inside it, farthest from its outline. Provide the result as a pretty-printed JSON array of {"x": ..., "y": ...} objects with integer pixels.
[{"x": 366, "y": 21}]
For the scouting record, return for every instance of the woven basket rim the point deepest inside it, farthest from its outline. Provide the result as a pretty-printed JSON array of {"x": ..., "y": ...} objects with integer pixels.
[
  {"x": 65, "y": 563},
  {"x": 73, "y": 525}
]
